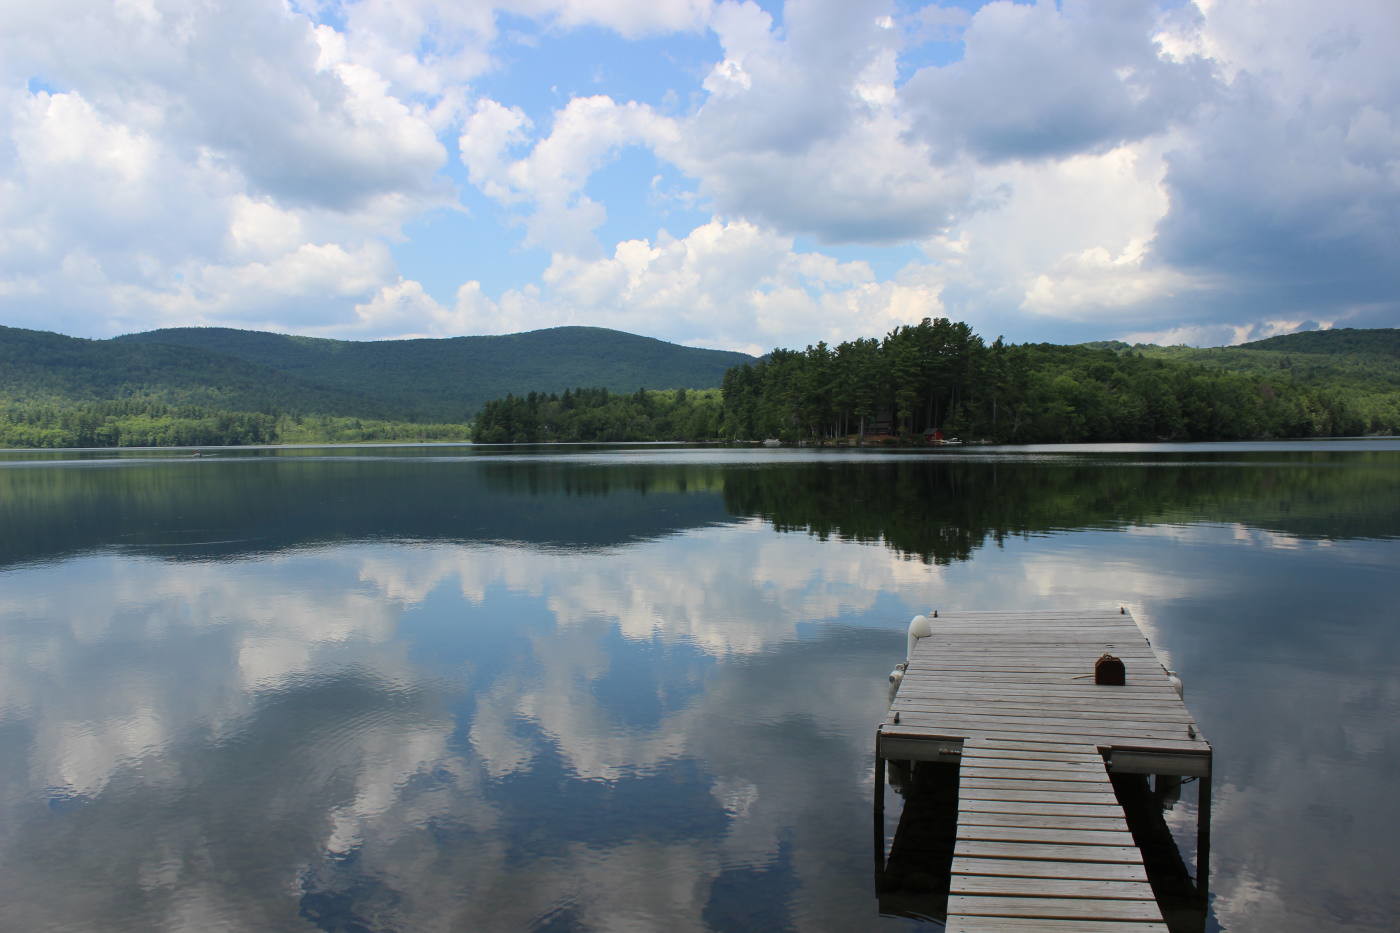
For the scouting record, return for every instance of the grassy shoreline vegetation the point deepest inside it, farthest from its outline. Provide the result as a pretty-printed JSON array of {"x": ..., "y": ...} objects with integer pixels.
[
  {"x": 131, "y": 423},
  {"x": 58, "y": 391}
]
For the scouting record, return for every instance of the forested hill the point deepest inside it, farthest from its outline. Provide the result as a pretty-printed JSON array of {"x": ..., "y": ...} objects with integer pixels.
[
  {"x": 450, "y": 379},
  {"x": 1380, "y": 341},
  {"x": 39, "y": 367},
  {"x": 1358, "y": 369}
]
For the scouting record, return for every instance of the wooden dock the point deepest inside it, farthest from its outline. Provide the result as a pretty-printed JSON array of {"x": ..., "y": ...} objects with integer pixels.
[{"x": 1042, "y": 843}]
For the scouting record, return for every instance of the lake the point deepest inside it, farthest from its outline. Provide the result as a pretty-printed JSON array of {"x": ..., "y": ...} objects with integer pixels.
[{"x": 636, "y": 688}]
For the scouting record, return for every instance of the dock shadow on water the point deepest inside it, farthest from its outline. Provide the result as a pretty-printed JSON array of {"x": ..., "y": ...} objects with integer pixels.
[
  {"x": 1145, "y": 801},
  {"x": 912, "y": 878}
]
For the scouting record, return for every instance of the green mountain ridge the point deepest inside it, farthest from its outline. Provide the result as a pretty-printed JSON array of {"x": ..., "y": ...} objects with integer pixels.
[
  {"x": 450, "y": 379},
  {"x": 428, "y": 380},
  {"x": 1384, "y": 341},
  {"x": 41, "y": 366},
  {"x": 1364, "y": 363}
]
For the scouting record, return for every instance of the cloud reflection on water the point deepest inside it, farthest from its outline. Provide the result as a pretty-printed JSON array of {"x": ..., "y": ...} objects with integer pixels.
[{"x": 133, "y": 679}]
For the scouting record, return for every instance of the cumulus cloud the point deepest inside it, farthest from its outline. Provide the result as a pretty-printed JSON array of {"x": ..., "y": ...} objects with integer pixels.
[
  {"x": 241, "y": 85},
  {"x": 1216, "y": 335},
  {"x": 802, "y": 130},
  {"x": 401, "y": 309},
  {"x": 630, "y": 18},
  {"x": 1094, "y": 280},
  {"x": 725, "y": 284},
  {"x": 205, "y": 164},
  {"x": 422, "y": 47},
  {"x": 1288, "y": 185},
  {"x": 1052, "y": 80},
  {"x": 584, "y": 136}
]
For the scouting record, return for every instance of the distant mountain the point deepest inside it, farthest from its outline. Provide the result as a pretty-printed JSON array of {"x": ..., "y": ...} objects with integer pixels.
[
  {"x": 1384, "y": 341},
  {"x": 1361, "y": 362},
  {"x": 43, "y": 367},
  {"x": 408, "y": 380},
  {"x": 449, "y": 379}
]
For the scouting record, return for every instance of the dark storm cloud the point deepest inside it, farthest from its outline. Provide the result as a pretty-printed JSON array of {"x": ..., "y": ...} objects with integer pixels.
[{"x": 1287, "y": 199}]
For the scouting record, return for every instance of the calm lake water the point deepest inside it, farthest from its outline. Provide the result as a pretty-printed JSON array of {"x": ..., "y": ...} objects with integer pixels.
[{"x": 447, "y": 688}]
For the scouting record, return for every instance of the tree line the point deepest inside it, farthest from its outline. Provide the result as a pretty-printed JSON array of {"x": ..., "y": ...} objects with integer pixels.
[
  {"x": 940, "y": 376},
  {"x": 596, "y": 414}
]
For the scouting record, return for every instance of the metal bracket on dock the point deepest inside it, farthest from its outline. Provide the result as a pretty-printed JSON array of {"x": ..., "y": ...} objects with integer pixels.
[
  {"x": 917, "y": 747},
  {"x": 1135, "y": 761}
]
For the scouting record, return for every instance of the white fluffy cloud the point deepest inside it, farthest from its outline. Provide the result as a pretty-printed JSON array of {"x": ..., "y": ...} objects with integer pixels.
[
  {"x": 585, "y": 135},
  {"x": 630, "y": 18},
  {"x": 177, "y": 164},
  {"x": 725, "y": 284},
  {"x": 243, "y": 86},
  {"x": 1069, "y": 241},
  {"x": 802, "y": 129}
]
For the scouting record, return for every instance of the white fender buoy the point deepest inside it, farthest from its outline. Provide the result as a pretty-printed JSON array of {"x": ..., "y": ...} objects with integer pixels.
[
  {"x": 1175, "y": 681},
  {"x": 919, "y": 627}
]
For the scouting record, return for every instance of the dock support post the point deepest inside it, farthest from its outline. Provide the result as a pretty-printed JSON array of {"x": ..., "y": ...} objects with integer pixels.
[
  {"x": 879, "y": 786},
  {"x": 879, "y": 811},
  {"x": 1203, "y": 838}
]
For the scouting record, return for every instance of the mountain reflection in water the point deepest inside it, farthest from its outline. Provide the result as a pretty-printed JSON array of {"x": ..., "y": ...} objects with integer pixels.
[{"x": 609, "y": 690}]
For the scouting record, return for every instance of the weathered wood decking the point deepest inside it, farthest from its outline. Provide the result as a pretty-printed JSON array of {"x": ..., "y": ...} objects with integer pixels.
[{"x": 1042, "y": 843}]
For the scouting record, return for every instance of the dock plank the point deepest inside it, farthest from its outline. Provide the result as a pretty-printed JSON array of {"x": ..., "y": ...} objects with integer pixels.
[
  {"x": 1052, "y": 908},
  {"x": 1106, "y": 741},
  {"x": 998, "y": 885},
  {"x": 977, "y": 768},
  {"x": 1028, "y": 925},
  {"x": 1074, "y": 785},
  {"x": 975, "y": 848},
  {"x": 1138, "y": 712},
  {"x": 1108, "y": 821},
  {"x": 1025, "y": 758},
  {"x": 1040, "y": 868},
  {"x": 1039, "y": 807},
  {"x": 986, "y": 745},
  {"x": 996, "y": 793},
  {"x": 1050, "y": 835}
]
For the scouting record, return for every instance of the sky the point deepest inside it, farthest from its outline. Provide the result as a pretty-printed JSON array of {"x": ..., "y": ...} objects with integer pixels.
[{"x": 734, "y": 175}]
